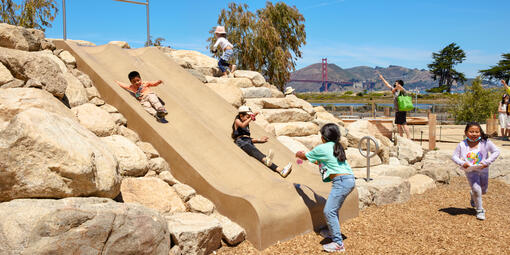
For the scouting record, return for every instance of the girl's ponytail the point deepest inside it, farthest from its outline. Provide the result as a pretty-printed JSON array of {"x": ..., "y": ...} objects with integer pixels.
[
  {"x": 331, "y": 133},
  {"x": 234, "y": 126}
]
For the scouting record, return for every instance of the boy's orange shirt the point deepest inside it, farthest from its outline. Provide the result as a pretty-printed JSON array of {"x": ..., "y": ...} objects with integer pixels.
[{"x": 145, "y": 87}]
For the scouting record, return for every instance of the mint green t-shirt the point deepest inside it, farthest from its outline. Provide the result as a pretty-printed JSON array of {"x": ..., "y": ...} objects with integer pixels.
[{"x": 328, "y": 163}]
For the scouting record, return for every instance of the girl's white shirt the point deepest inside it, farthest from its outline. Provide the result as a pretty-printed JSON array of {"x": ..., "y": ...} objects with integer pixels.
[{"x": 223, "y": 43}]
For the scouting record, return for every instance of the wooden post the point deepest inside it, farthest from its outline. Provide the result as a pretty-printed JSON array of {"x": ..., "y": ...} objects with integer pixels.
[
  {"x": 432, "y": 131},
  {"x": 351, "y": 108},
  {"x": 373, "y": 110},
  {"x": 492, "y": 127},
  {"x": 387, "y": 111}
]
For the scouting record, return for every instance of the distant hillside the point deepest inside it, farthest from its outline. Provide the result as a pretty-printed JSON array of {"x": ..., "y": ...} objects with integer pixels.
[{"x": 364, "y": 77}]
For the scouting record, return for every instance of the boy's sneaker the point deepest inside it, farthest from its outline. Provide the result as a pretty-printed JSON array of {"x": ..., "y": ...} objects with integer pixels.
[
  {"x": 286, "y": 170},
  {"x": 269, "y": 158},
  {"x": 333, "y": 247},
  {"x": 162, "y": 113},
  {"x": 480, "y": 214},
  {"x": 325, "y": 233}
]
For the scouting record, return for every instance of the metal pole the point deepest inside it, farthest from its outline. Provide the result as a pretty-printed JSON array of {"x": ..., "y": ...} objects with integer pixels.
[
  {"x": 368, "y": 160},
  {"x": 148, "y": 30},
  {"x": 64, "y": 16}
]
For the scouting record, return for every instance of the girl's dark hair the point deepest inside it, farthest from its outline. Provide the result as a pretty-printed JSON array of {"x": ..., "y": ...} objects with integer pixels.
[
  {"x": 503, "y": 98},
  {"x": 331, "y": 133},
  {"x": 503, "y": 102},
  {"x": 238, "y": 117},
  {"x": 483, "y": 135}
]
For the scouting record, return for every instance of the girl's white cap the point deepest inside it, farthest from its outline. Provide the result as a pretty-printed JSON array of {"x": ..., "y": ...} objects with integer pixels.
[
  {"x": 244, "y": 109},
  {"x": 220, "y": 30}
]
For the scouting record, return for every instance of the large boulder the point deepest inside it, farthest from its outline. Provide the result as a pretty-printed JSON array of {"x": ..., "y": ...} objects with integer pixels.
[
  {"x": 30, "y": 65},
  {"x": 95, "y": 119},
  {"x": 132, "y": 160},
  {"x": 292, "y": 144},
  {"x": 256, "y": 78},
  {"x": 384, "y": 190},
  {"x": 295, "y": 128},
  {"x": 45, "y": 155},
  {"x": 355, "y": 159},
  {"x": 256, "y": 92},
  {"x": 152, "y": 192},
  {"x": 81, "y": 226},
  {"x": 195, "y": 60},
  {"x": 300, "y": 103},
  {"x": 67, "y": 57},
  {"x": 270, "y": 103},
  {"x": 158, "y": 165},
  {"x": 408, "y": 150},
  {"x": 5, "y": 75},
  {"x": 231, "y": 93},
  {"x": 122, "y": 44},
  {"x": 499, "y": 169},
  {"x": 21, "y": 38},
  {"x": 186, "y": 192},
  {"x": 388, "y": 170},
  {"x": 326, "y": 117},
  {"x": 201, "y": 204},
  {"x": 49, "y": 54},
  {"x": 75, "y": 92},
  {"x": 310, "y": 141},
  {"x": 238, "y": 82},
  {"x": 421, "y": 183},
  {"x": 439, "y": 166},
  {"x": 16, "y": 100},
  {"x": 285, "y": 115},
  {"x": 232, "y": 233},
  {"x": 83, "y": 77},
  {"x": 195, "y": 233}
]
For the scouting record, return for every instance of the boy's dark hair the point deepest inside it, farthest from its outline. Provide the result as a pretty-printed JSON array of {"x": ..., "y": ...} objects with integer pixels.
[
  {"x": 133, "y": 74},
  {"x": 483, "y": 135},
  {"x": 331, "y": 133},
  {"x": 400, "y": 82}
]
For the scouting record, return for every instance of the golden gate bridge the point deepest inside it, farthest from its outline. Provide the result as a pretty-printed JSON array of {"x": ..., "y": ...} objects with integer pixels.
[{"x": 325, "y": 83}]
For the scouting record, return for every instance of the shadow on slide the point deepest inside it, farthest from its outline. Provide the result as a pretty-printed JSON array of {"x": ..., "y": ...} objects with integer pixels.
[{"x": 196, "y": 142}]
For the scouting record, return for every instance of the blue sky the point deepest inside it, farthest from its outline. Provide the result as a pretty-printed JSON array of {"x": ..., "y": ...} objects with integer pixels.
[{"x": 348, "y": 32}]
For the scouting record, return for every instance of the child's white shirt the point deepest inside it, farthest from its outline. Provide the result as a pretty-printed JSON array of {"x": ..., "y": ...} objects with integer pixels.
[{"x": 223, "y": 43}]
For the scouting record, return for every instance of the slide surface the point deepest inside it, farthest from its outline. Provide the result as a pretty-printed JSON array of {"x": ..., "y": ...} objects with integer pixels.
[{"x": 197, "y": 144}]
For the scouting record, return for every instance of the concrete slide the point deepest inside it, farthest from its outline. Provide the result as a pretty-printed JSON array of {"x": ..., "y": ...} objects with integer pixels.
[{"x": 196, "y": 142}]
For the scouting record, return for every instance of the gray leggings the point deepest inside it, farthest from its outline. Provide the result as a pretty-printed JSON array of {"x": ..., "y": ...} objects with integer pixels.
[{"x": 479, "y": 182}]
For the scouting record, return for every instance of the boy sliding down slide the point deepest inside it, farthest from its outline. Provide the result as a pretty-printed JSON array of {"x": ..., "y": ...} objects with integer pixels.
[{"x": 148, "y": 99}]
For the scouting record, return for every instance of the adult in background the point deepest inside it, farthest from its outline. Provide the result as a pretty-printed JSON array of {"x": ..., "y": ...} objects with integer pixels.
[
  {"x": 400, "y": 116},
  {"x": 504, "y": 117}
]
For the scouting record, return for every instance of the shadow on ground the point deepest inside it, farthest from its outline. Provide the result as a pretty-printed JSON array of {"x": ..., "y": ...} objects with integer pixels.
[{"x": 458, "y": 211}]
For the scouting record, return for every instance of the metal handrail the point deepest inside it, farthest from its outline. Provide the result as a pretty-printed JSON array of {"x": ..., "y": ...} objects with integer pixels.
[{"x": 368, "y": 153}]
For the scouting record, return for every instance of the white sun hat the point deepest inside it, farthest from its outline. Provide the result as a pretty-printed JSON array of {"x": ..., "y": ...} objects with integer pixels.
[
  {"x": 244, "y": 109},
  {"x": 289, "y": 90},
  {"x": 220, "y": 30}
]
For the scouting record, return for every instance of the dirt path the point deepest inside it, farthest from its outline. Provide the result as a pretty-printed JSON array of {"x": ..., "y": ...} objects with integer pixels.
[{"x": 437, "y": 222}]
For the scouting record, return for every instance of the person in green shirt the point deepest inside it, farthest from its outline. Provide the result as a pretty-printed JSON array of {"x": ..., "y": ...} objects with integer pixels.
[{"x": 331, "y": 158}]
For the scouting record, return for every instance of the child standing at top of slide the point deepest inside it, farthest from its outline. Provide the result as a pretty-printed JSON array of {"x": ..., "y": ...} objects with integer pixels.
[
  {"x": 141, "y": 90},
  {"x": 227, "y": 49},
  {"x": 473, "y": 156},
  {"x": 331, "y": 158}
]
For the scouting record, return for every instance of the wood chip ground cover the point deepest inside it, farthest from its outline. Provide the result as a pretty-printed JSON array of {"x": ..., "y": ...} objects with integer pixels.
[{"x": 440, "y": 221}]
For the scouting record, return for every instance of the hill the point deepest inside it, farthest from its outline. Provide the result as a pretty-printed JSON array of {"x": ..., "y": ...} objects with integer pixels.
[{"x": 363, "y": 77}]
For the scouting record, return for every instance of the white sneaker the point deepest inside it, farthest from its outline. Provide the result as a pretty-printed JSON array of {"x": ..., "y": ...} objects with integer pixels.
[
  {"x": 286, "y": 170},
  {"x": 480, "y": 214},
  {"x": 269, "y": 158},
  {"x": 333, "y": 247}
]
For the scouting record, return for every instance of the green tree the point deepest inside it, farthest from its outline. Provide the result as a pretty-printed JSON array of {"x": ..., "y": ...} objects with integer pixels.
[
  {"x": 476, "y": 103},
  {"x": 499, "y": 72},
  {"x": 36, "y": 14},
  {"x": 267, "y": 41},
  {"x": 442, "y": 66}
]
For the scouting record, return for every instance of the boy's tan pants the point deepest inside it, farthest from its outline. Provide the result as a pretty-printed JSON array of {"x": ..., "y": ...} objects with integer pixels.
[{"x": 150, "y": 102}]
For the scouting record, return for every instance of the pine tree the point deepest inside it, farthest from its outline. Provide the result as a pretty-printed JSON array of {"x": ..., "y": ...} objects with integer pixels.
[
  {"x": 500, "y": 71},
  {"x": 442, "y": 67}
]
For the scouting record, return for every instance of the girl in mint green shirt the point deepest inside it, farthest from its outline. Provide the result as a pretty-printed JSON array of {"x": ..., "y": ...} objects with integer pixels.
[{"x": 330, "y": 156}]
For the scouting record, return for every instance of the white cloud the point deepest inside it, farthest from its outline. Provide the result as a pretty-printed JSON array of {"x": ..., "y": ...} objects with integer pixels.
[{"x": 322, "y": 4}]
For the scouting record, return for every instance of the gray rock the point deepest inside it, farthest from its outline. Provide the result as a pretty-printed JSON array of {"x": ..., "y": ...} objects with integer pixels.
[
  {"x": 32, "y": 65},
  {"x": 45, "y": 155},
  {"x": 95, "y": 119},
  {"x": 194, "y": 233},
  {"x": 385, "y": 190},
  {"x": 232, "y": 233},
  {"x": 158, "y": 165},
  {"x": 5, "y": 75},
  {"x": 21, "y": 38},
  {"x": 132, "y": 160},
  {"x": 409, "y": 150},
  {"x": 201, "y": 204},
  {"x": 185, "y": 191},
  {"x": 256, "y": 92},
  {"x": 81, "y": 226}
]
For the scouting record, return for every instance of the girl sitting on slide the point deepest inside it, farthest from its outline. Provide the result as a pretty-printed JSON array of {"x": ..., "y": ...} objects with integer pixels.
[{"x": 241, "y": 136}]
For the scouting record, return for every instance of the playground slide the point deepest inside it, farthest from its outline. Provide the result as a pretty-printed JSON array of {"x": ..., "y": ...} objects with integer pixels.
[{"x": 196, "y": 142}]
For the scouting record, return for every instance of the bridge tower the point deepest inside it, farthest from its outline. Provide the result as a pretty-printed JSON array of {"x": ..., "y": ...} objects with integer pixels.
[{"x": 324, "y": 69}]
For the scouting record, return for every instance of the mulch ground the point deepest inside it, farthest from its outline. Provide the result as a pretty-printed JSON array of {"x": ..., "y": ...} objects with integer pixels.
[{"x": 440, "y": 221}]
